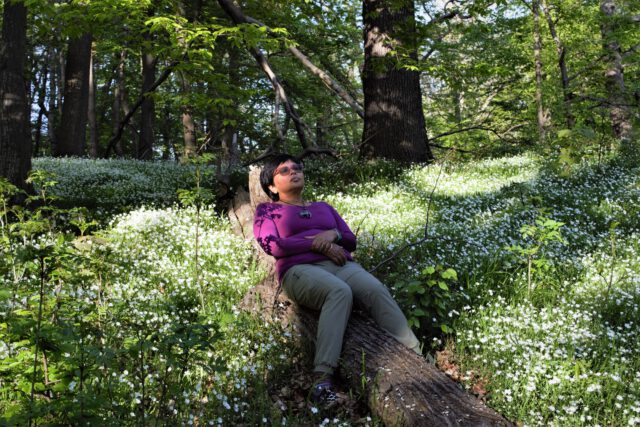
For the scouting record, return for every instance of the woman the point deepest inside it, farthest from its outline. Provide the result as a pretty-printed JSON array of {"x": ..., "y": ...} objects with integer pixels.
[{"x": 312, "y": 245}]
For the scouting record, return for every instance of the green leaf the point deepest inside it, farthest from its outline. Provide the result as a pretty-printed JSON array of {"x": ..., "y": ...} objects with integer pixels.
[
  {"x": 419, "y": 312},
  {"x": 449, "y": 273},
  {"x": 564, "y": 133},
  {"x": 446, "y": 329},
  {"x": 429, "y": 270},
  {"x": 443, "y": 286}
]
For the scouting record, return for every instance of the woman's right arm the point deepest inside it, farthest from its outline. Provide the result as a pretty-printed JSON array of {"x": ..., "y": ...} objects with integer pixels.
[{"x": 266, "y": 233}]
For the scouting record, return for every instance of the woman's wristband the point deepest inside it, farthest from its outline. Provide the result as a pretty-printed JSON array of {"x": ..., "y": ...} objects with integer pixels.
[{"x": 338, "y": 235}]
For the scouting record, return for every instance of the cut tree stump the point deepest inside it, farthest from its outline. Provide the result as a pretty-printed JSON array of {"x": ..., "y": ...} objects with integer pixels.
[{"x": 402, "y": 388}]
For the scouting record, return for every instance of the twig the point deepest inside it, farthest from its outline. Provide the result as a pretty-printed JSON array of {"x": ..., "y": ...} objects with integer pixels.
[{"x": 426, "y": 226}]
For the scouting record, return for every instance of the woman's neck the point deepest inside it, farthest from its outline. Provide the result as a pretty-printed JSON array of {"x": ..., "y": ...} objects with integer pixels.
[{"x": 294, "y": 199}]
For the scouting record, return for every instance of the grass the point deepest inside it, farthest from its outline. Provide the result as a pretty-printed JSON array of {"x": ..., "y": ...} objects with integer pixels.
[{"x": 140, "y": 327}]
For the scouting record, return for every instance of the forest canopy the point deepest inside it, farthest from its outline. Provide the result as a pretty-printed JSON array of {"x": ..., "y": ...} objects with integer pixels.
[{"x": 395, "y": 79}]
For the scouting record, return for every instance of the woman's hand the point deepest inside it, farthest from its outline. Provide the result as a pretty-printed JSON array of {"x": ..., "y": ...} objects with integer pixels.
[
  {"x": 322, "y": 241},
  {"x": 336, "y": 254}
]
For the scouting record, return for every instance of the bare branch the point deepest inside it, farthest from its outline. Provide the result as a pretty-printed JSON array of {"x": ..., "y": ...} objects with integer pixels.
[
  {"x": 323, "y": 75},
  {"x": 314, "y": 151},
  {"x": 238, "y": 17},
  {"x": 270, "y": 151},
  {"x": 164, "y": 76},
  {"x": 438, "y": 20},
  {"x": 442, "y": 147}
]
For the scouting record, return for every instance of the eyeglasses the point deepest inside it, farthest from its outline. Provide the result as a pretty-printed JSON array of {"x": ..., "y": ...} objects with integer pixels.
[{"x": 288, "y": 170}]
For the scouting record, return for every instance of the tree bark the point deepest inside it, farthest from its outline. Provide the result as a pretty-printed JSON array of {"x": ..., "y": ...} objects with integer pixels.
[
  {"x": 118, "y": 97},
  {"x": 91, "y": 113},
  {"x": 614, "y": 75},
  {"x": 61, "y": 80},
  {"x": 41, "y": 90},
  {"x": 53, "y": 97},
  {"x": 15, "y": 136},
  {"x": 537, "y": 56},
  {"x": 147, "y": 140},
  {"x": 188, "y": 124},
  {"x": 73, "y": 126},
  {"x": 401, "y": 387},
  {"x": 567, "y": 94},
  {"x": 394, "y": 125},
  {"x": 229, "y": 138}
]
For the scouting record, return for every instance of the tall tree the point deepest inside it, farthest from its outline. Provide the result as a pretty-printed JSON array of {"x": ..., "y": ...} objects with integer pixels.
[
  {"x": 537, "y": 56},
  {"x": 394, "y": 125},
  {"x": 567, "y": 94},
  {"x": 15, "y": 138},
  {"x": 91, "y": 111},
  {"x": 72, "y": 133},
  {"x": 614, "y": 74},
  {"x": 188, "y": 123},
  {"x": 147, "y": 139}
]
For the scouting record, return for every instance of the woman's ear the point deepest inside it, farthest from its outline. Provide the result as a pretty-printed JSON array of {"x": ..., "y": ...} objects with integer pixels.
[{"x": 273, "y": 189}]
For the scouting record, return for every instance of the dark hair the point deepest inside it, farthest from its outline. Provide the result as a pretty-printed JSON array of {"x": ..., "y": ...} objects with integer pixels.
[{"x": 270, "y": 166}]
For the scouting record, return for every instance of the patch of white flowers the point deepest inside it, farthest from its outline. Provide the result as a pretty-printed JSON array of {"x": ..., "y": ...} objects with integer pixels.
[
  {"x": 116, "y": 182},
  {"x": 572, "y": 360}
]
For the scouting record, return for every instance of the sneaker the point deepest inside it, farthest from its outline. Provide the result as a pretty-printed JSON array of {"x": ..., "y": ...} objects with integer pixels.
[{"x": 323, "y": 393}]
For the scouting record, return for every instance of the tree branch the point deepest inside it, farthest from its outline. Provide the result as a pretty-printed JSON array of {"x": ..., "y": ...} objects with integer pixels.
[
  {"x": 438, "y": 20},
  {"x": 315, "y": 70},
  {"x": 164, "y": 76},
  {"x": 426, "y": 227},
  {"x": 238, "y": 17}
]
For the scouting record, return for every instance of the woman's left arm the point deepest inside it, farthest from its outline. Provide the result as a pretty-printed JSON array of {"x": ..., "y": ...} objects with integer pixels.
[{"x": 348, "y": 239}]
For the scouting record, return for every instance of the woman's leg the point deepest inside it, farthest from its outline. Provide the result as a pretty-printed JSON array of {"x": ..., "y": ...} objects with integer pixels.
[
  {"x": 312, "y": 286},
  {"x": 375, "y": 298}
]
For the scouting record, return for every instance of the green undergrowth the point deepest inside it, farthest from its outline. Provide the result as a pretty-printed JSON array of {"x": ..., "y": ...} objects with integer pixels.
[
  {"x": 545, "y": 306},
  {"x": 527, "y": 273}
]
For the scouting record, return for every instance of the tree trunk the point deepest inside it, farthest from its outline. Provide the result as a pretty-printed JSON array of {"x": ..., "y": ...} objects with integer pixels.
[
  {"x": 614, "y": 75},
  {"x": 41, "y": 90},
  {"x": 230, "y": 157},
  {"x": 52, "y": 114},
  {"x": 567, "y": 94},
  {"x": 169, "y": 150},
  {"x": 91, "y": 114},
  {"x": 15, "y": 136},
  {"x": 394, "y": 125},
  {"x": 401, "y": 387},
  {"x": 73, "y": 126},
  {"x": 537, "y": 56},
  {"x": 120, "y": 103},
  {"x": 131, "y": 110},
  {"x": 188, "y": 124},
  {"x": 61, "y": 80},
  {"x": 457, "y": 105},
  {"x": 145, "y": 146}
]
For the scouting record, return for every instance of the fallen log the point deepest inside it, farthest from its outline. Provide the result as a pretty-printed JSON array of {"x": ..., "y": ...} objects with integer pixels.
[{"x": 402, "y": 388}]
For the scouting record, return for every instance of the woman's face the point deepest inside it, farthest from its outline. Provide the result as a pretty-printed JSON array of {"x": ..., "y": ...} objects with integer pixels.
[{"x": 288, "y": 178}]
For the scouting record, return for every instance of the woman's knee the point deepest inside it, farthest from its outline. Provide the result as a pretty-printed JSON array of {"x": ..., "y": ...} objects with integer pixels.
[{"x": 340, "y": 292}]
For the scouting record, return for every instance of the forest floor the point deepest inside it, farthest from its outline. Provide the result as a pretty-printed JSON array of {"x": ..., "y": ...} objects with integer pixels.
[{"x": 527, "y": 290}]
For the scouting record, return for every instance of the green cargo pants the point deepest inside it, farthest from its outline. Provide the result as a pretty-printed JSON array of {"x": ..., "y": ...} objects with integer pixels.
[{"x": 333, "y": 289}]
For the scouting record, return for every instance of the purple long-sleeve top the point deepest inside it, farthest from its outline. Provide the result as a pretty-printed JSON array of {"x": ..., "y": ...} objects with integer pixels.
[{"x": 281, "y": 230}]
